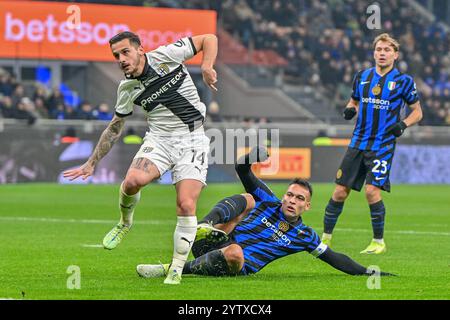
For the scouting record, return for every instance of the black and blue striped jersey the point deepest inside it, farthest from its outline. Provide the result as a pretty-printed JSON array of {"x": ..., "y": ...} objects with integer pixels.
[
  {"x": 265, "y": 235},
  {"x": 381, "y": 99}
]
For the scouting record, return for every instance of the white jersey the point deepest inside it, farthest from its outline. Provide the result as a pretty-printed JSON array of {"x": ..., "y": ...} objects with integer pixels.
[{"x": 165, "y": 91}]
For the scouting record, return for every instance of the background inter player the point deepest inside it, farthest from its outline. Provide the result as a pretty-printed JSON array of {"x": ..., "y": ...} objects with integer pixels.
[{"x": 378, "y": 97}]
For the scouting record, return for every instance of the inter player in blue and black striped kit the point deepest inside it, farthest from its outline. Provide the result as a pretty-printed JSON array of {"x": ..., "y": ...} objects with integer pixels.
[
  {"x": 378, "y": 96},
  {"x": 243, "y": 233}
]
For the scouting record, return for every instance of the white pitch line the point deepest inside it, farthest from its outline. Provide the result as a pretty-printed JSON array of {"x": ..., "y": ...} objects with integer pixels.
[
  {"x": 92, "y": 245},
  {"x": 87, "y": 221},
  {"x": 159, "y": 222},
  {"x": 432, "y": 233}
]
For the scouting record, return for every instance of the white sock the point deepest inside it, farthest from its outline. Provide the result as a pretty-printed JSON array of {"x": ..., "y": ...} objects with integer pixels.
[
  {"x": 183, "y": 238},
  {"x": 380, "y": 241},
  {"x": 127, "y": 204}
]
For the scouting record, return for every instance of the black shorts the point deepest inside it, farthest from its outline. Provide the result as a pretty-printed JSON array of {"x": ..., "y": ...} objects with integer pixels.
[{"x": 372, "y": 167}]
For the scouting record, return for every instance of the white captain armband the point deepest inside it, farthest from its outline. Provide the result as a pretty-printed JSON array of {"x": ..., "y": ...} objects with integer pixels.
[{"x": 319, "y": 250}]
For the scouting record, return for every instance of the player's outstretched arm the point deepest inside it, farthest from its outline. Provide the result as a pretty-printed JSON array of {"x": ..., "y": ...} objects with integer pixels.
[
  {"x": 251, "y": 183},
  {"x": 208, "y": 44},
  {"x": 415, "y": 116},
  {"x": 345, "y": 264},
  {"x": 109, "y": 136}
]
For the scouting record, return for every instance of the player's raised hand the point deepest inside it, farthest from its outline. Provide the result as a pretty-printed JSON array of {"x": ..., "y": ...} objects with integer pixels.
[
  {"x": 210, "y": 77},
  {"x": 85, "y": 171},
  {"x": 258, "y": 154}
]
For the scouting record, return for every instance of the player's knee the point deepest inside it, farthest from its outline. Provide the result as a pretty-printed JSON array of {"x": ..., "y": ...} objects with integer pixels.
[
  {"x": 186, "y": 205},
  {"x": 235, "y": 257},
  {"x": 341, "y": 193},
  {"x": 250, "y": 202},
  {"x": 132, "y": 184},
  {"x": 373, "y": 194}
]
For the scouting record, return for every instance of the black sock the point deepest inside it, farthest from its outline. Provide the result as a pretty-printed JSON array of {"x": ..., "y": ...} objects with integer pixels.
[
  {"x": 332, "y": 212},
  {"x": 203, "y": 246},
  {"x": 211, "y": 264},
  {"x": 226, "y": 210},
  {"x": 377, "y": 214}
]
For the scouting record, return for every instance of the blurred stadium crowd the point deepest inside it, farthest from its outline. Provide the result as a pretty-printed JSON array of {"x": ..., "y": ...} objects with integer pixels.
[
  {"x": 42, "y": 102},
  {"x": 325, "y": 42}
]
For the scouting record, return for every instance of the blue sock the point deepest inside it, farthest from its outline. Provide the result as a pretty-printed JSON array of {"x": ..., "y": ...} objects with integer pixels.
[
  {"x": 377, "y": 214},
  {"x": 332, "y": 212},
  {"x": 226, "y": 210}
]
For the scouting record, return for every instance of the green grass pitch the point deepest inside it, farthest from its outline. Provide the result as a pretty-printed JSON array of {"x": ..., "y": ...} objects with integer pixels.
[{"x": 46, "y": 228}]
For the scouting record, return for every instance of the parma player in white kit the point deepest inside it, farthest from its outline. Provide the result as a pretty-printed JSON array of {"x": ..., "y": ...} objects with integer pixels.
[{"x": 160, "y": 84}]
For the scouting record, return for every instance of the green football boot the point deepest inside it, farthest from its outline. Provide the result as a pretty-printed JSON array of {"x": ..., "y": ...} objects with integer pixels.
[
  {"x": 210, "y": 234},
  {"x": 326, "y": 239},
  {"x": 375, "y": 247},
  {"x": 173, "y": 277},
  {"x": 115, "y": 236}
]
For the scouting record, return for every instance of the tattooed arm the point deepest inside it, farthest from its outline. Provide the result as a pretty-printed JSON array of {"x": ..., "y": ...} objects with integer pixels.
[{"x": 109, "y": 136}]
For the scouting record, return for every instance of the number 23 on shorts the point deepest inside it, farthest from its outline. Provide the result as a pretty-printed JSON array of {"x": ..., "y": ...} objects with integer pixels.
[{"x": 380, "y": 166}]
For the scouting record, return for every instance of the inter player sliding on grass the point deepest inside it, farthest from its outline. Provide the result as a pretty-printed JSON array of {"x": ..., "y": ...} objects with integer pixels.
[
  {"x": 243, "y": 233},
  {"x": 378, "y": 96},
  {"x": 159, "y": 83}
]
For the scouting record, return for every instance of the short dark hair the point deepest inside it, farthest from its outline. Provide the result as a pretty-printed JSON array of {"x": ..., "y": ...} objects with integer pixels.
[
  {"x": 304, "y": 183},
  {"x": 134, "y": 38}
]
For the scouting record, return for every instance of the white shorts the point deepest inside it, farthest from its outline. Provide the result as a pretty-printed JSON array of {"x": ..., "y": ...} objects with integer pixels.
[{"x": 186, "y": 156}]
